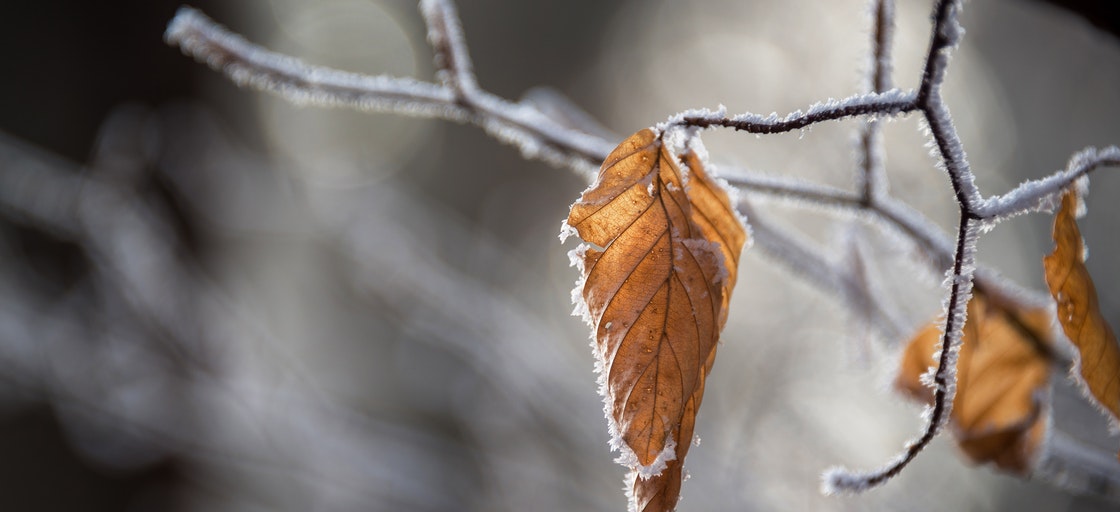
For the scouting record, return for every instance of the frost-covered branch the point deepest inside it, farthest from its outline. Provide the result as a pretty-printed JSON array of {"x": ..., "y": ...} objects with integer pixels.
[
  {"x": 872, "y": 181},
  {"x": 934, "y": 245},
  {"x": 252, "y": 66},
  {"x": 453, "y": 63},
  {"x": 884, "y": 104},
  {"x": 800, "y": 191},
  {"x": 457, "y": 99},
  {"x": 882, "y": 13},
  {"x": 1045, "y": 194},
  {"x": 1069, "y": 464}
]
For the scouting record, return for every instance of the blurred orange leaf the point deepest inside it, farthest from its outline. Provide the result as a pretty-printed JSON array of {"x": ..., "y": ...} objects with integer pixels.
[
  {"x": 1002, "y": 374},
  {"x": 1079, "y": 313},
  {"x": 656, "y": 290}
]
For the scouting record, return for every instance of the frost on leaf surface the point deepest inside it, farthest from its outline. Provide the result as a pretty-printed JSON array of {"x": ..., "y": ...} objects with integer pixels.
[
  {"x": 1079, "y": 313},
  {"x": 656, "y": 295},
  {"x": 1003, "y": 371}
]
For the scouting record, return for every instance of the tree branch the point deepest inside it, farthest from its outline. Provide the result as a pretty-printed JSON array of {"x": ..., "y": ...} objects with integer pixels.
[
  {"x": 449, "y": 47},
  {"x": 1045, "y": 194},
  {"x": 887, "y": 104},
  {"x": 872, "y": 182},
  {"x": 249, "y": 65}
]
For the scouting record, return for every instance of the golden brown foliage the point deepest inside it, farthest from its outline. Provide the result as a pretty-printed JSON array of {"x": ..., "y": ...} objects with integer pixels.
[
  {"x": 656, "y": 295},
  {"x": 1002, "y": 375},
  {"x": 1078, "y": 311}
]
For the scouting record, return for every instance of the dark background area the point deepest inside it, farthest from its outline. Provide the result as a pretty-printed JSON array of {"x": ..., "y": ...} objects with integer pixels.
[{"x": 67, "y": 64}]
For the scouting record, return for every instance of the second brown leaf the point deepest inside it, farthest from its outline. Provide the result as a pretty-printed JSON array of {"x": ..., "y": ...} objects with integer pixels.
[
  {"x": 1003, "y": 372},
  {"x": 1080, "y": 314}
]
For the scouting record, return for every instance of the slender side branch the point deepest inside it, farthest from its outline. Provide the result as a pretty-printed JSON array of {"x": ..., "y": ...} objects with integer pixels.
[
  {"x": 1044, "y": 194},
  {"x": 881, "y": 44},
  {"x": 932, "y": 243},
  {"x": 928, "y": 237},
  {"x": 250, "y": 65},
  {"x": 453, "y": 63},
  {"x": 1071, "y": 465},
  {"x": 795, "y": 189},
  {"x": 873, "y": 180},
  {"x": 889, "y": 103}
]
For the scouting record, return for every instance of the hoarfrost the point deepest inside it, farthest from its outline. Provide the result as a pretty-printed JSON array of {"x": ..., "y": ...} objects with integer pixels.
[
  {"x": 839, "y": 481},
  {"x": 669, "y": 453},
  {"x": 676, "y": 139},
  {"x": 1045, "y": 194},
  {"x": 566, "y": 230},
  {"x": 445, "y": 33},
  {"x": 249, "y": 65},
  {"x": 678, "y": 118},
  {"x": 576, "y": 258},
  {"x": 926, "y": 378},
  {"x": 628, "y": 486},
  {"x": 952, "y": 30}
]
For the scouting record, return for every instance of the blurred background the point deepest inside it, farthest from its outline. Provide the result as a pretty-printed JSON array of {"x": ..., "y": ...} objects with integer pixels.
[{"x": 211, "y": 300}]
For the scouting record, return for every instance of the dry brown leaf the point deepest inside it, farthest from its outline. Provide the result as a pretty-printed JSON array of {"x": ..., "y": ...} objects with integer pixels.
[
  {"x": 1002, "y": 375},
  {"x": 656, "y": 296},
  {"x": 1079, "y": 312}
]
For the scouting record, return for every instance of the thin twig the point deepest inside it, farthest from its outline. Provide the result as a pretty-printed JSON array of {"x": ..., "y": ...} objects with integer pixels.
[
  {"x": 250, "y": 65},
  {"x": 797, "y": 190},
  {"x": 888, "y": 103},
  {"x": 449, "y": 47},
  {"x": 873, "y": 180},
  {"x": 1045, "y": 194},
  {"x": 932, "y": 244}
]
